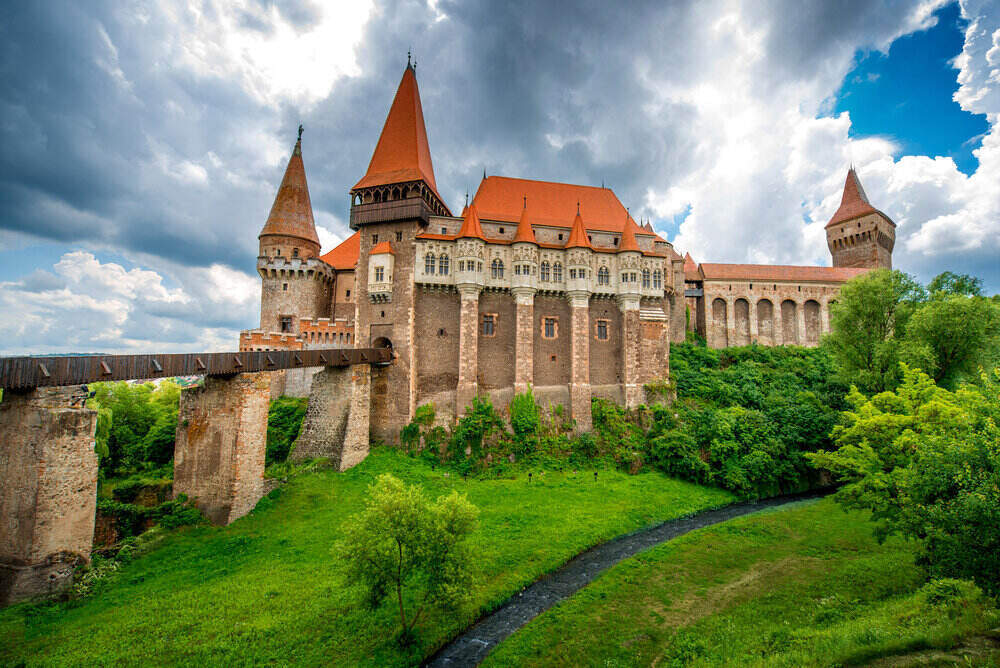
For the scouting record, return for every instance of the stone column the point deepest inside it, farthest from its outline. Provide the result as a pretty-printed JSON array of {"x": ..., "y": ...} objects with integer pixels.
[
  {"x": 752, "y": 314},
  {"x": 800, "y": 322},
  {"x": 631, "y": 341},
  {"x": 524, "y": 353},
  {"x": 730, "y": 321},
  {"x": 338, "y": 417},
  {"x": 824, "y": 317},
  {"x": 579, "y": 386},
  {"x": 778, "y": 328},
  {"x": 220, "y": 445},
  {"x": 468, "y": 348},
  {"x": 48, "y": 490}
]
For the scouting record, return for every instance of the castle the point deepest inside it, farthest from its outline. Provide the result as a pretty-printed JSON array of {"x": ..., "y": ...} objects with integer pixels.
[{"x": 536, "y": 283}]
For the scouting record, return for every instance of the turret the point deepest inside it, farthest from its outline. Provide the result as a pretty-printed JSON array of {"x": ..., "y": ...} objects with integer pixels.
[
  {"x": 470, "y": 252},
  {"x": 525, "y": 256},
  {"x": 629, "y": 266},
  {"x": 859, "y": 235},
  {"x": 579, "y": 260},
  {"x": 290, "y": 230}
]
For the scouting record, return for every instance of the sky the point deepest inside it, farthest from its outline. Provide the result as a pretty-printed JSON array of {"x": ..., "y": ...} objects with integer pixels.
[{"x": 143, "y": 142}]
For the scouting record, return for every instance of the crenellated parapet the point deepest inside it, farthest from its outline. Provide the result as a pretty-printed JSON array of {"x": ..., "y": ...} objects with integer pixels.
[
  {"x": 258, "y": 339},
  {"x": 281, "y": 267}
]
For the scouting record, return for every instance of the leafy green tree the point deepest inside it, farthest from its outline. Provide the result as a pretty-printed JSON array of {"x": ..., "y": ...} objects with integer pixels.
[
  {"x": 411, "y": 550},
  {"x": 956, "y": 284},
  {"x": 926, "y": 462},
  {"x": 867, "y": 324},
  {"x": 132, "y": 415},
  {"x": 525, "y": 421},
  {"x": 952, "y": 335}
]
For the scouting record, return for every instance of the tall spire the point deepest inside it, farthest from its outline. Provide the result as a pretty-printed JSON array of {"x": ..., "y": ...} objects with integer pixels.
[
  {"x": 291, "y": 214},
  {"x": 578, "y": 233},
  {"x": 402, "y": 153},
  {"x": 854, "y": 202}
]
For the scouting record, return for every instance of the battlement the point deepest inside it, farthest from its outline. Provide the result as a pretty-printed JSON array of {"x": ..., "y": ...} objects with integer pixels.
[
  {"x": 258, "y": 339},
  {"x": 324, "y": 330},
  {"x": 282, "y": 267}
]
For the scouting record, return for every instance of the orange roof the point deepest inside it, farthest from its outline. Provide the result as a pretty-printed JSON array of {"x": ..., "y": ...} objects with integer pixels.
[
  {"x": 690, "y": 269},
  {"x": 578, "y": 234},
  {"x": 345, "y": 255},
  {"x": 471, "y": 228},
  {"x": 291, "y": 214},
  {"x": 402, "y": 153},
  {"x": 382, "y": 248},
  {"x": 628, "y": 242},
  {"x": 524, "y": 231},
  {"x": 777, "y": 272},
  {"x": 854, "y": 202},
  {"x": 501, "y": 198}
]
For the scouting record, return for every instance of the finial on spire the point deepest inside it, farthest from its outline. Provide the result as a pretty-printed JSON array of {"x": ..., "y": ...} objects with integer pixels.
[
  {"x": 408, "y": 58},
  {"x": 466, "y": 198},
  {"x": 525, "y": 201},
  {"x": 484, "y": 173},
  {"x": 300, "y": 132}
]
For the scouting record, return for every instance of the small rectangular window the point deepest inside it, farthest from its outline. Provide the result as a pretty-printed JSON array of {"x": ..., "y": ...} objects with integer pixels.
[
  {"x": 374, "y": 239},
  {"x": 444, "y": 230},
  {"x": 489, "y": 324},
  {"x": 286, "y": 323},
  {"x": 284, "y": 287},
  {"x": 379, "y": 274},
  {"x": 550, "y": 328},
  {"x": 399, "y": 236},
  {"x": 601, "y": 330},
  {"x": 347, "y": 293}
]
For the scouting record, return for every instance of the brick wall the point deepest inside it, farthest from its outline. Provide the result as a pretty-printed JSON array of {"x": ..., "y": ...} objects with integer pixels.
[
  {"x": 552, "y": 359},
  {"x": 496, "y": 353}
]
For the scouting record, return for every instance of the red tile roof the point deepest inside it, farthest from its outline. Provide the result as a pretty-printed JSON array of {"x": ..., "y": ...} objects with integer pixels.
[
  {"x": 854, "y": 202},
  {"x": 345, "y": 255},
  {"x": 291, "y": 214},
  {"x": 501, "y": 198},
  {"x": 382, "y": 248},
  {"x": 628, "y": 242},
  {"x": 402, "y": 153},
  {"x": 524, "y": 232},
  {"x": 578, "y": 234},
  {"x": 690, "y": 269},
  {"x": 777, "y": 272},
  {"x": 471, "y": 228}
]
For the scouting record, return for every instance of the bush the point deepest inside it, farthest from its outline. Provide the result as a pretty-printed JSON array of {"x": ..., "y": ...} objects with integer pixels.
[
  {"x": 525, "y": 422},
  {"x": 284, "y": 419}
]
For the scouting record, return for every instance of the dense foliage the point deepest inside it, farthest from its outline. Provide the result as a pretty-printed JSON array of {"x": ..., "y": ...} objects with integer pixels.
[
  {"x": 284, "y": 419},
  {"x": 402, "y": 541},
  {"x": 926, "y": 461},
  {"x": 136, "y": 424}
]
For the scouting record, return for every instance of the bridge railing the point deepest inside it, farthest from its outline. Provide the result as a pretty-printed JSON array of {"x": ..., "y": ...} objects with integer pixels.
[{"x": 23, "y": 373}]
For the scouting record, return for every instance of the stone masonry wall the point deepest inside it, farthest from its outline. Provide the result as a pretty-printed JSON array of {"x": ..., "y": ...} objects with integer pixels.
[
  {"x": 496, "y": 364},
  {"x": 48, "y": 490},
  {"x": 220, "y": 445},
  {"x": 337, "y": 419}
]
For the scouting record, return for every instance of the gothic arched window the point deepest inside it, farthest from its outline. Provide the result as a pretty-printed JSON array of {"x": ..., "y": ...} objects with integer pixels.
[
  {"x": 557, "y": 272},
  {"x": 429, "y": 263},
  {"x": 657, "y": 279},
  {"x": 443, "y": 265},
  {"x": 545, "y": 271},
  {"x": 496, "y": 269},
  {"x": 603, "y": 276},
  {"x": 645, "y": 278}
]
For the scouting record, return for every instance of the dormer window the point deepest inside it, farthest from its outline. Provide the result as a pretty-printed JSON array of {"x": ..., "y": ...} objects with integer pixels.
[{"x": 501, "y": 230}]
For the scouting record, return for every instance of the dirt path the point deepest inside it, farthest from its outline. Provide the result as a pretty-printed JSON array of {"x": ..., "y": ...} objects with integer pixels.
[{"x": 470, "y": 648}]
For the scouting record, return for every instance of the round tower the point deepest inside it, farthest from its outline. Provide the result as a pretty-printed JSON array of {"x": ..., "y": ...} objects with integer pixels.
[{"x": 296, "y": 284}]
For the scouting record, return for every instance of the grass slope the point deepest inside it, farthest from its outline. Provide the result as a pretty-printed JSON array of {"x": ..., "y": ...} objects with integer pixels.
[
  {"x": 268, "y": 589},
  {"x": 805, "y": 585}
]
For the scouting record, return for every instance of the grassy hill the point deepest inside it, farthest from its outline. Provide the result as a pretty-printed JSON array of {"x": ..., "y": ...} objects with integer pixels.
[
  {"x": 269, "y": 588},
  {"x": 805, "y": 585}
]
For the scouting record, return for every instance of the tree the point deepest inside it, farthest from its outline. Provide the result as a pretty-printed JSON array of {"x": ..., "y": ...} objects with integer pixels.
[
  {"x": 960, "y": 333},
  {"x": 926, "y": 462},
  {"x": 867, "y": 324},
  {"x": 402, "y": 544},
  {"x": 956, "y": 284}
]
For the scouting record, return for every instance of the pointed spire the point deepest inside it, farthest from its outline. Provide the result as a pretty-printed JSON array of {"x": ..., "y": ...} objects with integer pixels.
[
  {"x": 854, "y": 202},
  {"x": 402, "y": 153},
  {"x": 291, "y": 214},
  {"x": 628, "y": 242},
  {"x": 578, "y": 233},
  {"x": 689, "y": 263},
  {"x": 471, "y": 228},
  {"x": 524, "y": 232}
]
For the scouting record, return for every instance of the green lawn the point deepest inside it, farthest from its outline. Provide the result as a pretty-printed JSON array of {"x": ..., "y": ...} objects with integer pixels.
[
  {"x": 805, "y": 585},
  {"x": 268, "y": 589}
]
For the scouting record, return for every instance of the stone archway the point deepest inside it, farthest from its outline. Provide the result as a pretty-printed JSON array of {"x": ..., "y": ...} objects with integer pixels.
[
  {"x": 741, "y": 322},
  {"x": 811, "y": 309},
  {"x": 789, "y": 322},
  {"x": 718, "y": 335},
  {"x": 765, "y": 322}
]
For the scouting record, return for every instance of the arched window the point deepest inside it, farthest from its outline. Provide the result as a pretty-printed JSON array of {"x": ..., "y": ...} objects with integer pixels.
[
  {"x": 645, "y": 278},
  {"x": 545, "y": 271},
  {"x": 557, "y": 272},
  {"x": 443, "y": 265},
  {"x": 603, "y": 276},
  {"x": 657, "y": 279},
  {"x": 496, "y": 269},
  {"x": 429, "y": 263}
]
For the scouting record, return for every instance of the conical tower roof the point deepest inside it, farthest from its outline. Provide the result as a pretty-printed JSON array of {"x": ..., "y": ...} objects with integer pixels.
[
  {"x": 854, "y": 203},
  {"x": 578, "y": 233},
  {"x": 524, "y": 232},
  {"x": 402, "y": 153},
  {"x": 628, "y": 242},
  {"x": 471, "y": 227},
  {"x": 291, "y": 214}
]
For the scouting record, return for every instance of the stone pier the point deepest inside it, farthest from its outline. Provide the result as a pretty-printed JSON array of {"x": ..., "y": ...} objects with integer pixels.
[
  {"x": 48, "y": 490},
  {"x": 337, "y": 420},
  {"x": 221, "y": 442}
]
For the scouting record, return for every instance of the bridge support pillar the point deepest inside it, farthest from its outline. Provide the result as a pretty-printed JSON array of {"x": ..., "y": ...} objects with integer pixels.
[
  {"x": 220, "y": 445},
  {"x": 338, "y": 417},
  {"x": 48, "y": 490}
]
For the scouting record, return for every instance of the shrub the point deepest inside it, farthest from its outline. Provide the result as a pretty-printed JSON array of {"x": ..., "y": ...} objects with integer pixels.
[
  {"x": 284, "y": 420},
  {"x": 525, "y": 422}
]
